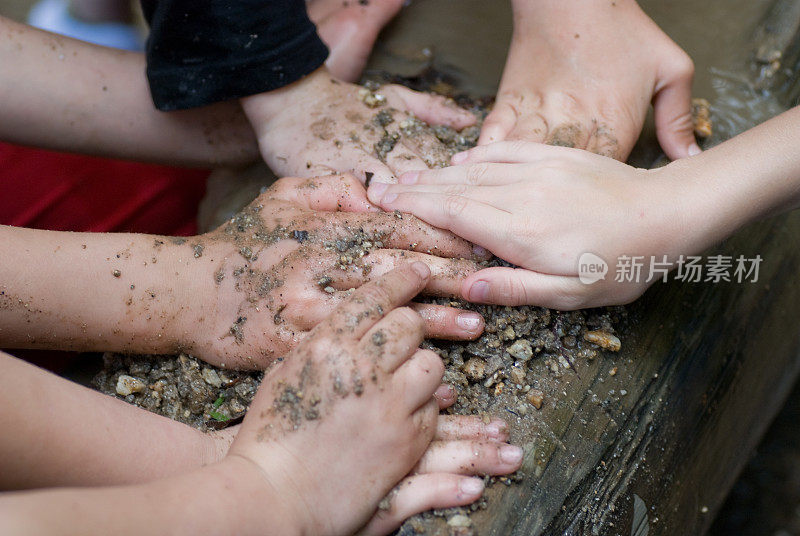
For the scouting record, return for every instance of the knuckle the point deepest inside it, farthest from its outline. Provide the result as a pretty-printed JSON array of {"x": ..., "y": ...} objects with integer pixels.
[
  {"x": 571, "y": 104},
  {"x": 455, "y": 189},
  {"x": 516, "y": 291},
  {"x": 682, "y": 65},
  {"x": 476, "y": 173},
  {"x": 431, "y": 363},
  {"x": 410, "y": 319},
  {"x": 317, "y": 345},
  {"x": 374, "y": 294},
  {"x": 516, "y": 147},
  {"x": 454, "y": 206},
  {"x": 569, "y": 300}
]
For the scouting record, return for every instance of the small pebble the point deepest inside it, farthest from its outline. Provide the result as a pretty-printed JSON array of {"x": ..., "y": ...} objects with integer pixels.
[
  {"x": 116, "y": 273},
  {"x": 536, "y": 398},
  {"x": 498, "y": 389},
  {"x": 474, "y": 368},
  {"x": 603, "y": 339},
  {"x": 127, "y": 385},
  {"x": 517, "y": 375},
  {"x": 459, "y": 520},
  {"x": 521, "y": 350},
  {"x": 509, "y": 334},
  {"x": 211, "y": 377}
]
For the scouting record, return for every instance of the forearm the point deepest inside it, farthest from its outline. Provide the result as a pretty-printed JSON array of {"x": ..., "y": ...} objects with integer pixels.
[
  {"x": 68, "y": 435},
  {"x": 752, "y": 176},
  {"x": 67, "y": 95},
  {"x": 566, "y": 15},
  {"x": 216, "y": 500},
  {"x": 95, "y": 291}
]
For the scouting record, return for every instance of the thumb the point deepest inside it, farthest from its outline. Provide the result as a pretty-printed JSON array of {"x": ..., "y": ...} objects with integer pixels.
[
  {"x": 433, "y": 109},
  {"x": 497, "y": 124},
  {"x": 672, "y": 105},
  {"x": 518, "y": 286}
]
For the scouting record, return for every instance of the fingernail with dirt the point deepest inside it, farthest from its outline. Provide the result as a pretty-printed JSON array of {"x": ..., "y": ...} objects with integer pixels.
[
  {"x": 470, "y": 322},
  {"x": 478, "y": 292},
  {"x": 510, "y": 454},
  {"x": 471, "y": 486},
  {"x": 409, "y": 178}
]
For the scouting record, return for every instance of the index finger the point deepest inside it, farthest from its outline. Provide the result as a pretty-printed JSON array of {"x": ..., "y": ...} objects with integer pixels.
[{"x": 371, "y": 302}]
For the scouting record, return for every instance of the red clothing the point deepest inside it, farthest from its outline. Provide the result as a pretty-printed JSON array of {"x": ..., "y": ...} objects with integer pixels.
[{"x": 64, "y": 192}]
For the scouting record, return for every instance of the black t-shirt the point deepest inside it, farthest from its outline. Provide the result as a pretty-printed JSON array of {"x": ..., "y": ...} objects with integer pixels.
[{"x": 205, "y": 51}]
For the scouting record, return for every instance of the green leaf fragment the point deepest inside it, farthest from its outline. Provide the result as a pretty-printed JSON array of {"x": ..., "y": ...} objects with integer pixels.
[
  {"x": 217, "y": 416},
  {"x": 218, "y": 402}
]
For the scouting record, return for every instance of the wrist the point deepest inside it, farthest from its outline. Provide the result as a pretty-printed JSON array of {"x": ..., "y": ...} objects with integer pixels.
[
  {"x": 698, "y": 210},
  {"x": 195, "y": 277},
  {"x": 255, "y": 501},
  {"x": 263, "y": 108},
  {"x": 164, "y": 295}
]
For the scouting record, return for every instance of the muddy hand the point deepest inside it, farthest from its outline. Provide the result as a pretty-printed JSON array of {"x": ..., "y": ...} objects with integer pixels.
[
  {"x": 321, "y": 125},
  {"x": 464, "y": 446},
  {"x": 278, "y": 268},
  {"x": 595, "y": 73},
  {"x": 555, "y": 204},
  {"x": 350, "y": 29},
  {"x": 338, "y": 423}
]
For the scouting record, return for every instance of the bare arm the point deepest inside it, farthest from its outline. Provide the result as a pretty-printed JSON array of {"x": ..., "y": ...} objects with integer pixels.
[
  {"x": 556, "y": 204},
  {"x": 214, "y": 500},
  {"x": 63, "y": 94},
  {"x": 93, "y": 291},
  {"x": 236, "y": 297},
  {"x": 67, "y": 435}
]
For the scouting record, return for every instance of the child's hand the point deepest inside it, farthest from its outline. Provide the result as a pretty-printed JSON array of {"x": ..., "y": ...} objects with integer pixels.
[
  {"x": 595, "y": 70},
  {"x": 336, "y": 425},
  {"x": 542, "y": 209},
  {"x": 350, "y": 30},
  {"x": 321, "y": 124},
  {"x": 276, "y": 270},
  {"x": 463, "y": 446}
]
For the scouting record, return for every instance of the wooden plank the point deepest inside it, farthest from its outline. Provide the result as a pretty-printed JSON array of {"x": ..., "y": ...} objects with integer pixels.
[{"x": 704, "y": 369}]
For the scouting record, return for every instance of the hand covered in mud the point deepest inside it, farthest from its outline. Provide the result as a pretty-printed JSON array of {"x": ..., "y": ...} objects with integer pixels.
[
  {"x": 278, "y": 268},
  {"x": 542, "y": 209},
  {"x": 583, "y": 75},
  {"x": 321, "y": 125},
  {"x": 336, "y": 425}
]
